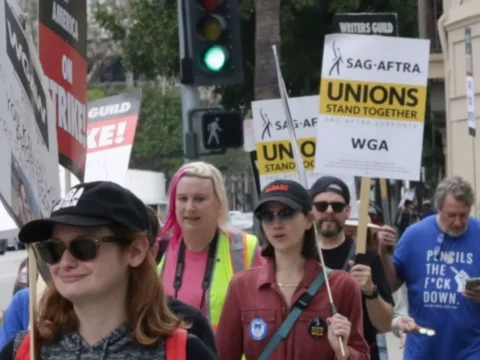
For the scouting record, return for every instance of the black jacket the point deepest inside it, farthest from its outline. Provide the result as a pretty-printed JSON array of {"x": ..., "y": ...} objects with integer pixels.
[{"x": 199, "y": 323}]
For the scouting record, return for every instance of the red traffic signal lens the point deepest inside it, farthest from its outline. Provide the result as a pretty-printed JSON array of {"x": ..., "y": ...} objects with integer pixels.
[
  {"x": 211, "y": 27},
  {"x": 210, "y": 5}
]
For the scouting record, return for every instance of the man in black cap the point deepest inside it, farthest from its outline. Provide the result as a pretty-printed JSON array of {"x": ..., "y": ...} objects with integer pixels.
[{"x": 331, "y": 207}]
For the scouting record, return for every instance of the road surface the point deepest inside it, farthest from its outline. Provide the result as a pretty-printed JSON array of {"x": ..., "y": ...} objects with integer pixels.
[{"x": 9, "y": 264}]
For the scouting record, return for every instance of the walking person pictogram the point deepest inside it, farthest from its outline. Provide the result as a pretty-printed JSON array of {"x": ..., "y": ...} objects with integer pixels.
[
  {"x": 267, "y": 124},
  {"x": 213, "y": 129},
  {"x": 336, "y": 61}
]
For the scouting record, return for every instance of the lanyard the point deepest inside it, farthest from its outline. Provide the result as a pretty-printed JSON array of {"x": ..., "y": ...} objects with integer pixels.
[{"x": 207, "y": 277}]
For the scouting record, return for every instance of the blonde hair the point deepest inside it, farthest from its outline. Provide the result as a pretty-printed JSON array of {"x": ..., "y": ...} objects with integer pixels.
[{"x": 202, "y": 170}]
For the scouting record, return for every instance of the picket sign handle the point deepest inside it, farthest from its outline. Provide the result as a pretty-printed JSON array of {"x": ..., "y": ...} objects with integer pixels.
[
  {"x": 361, "y": 242},
  {"x": 32, "y": 284}
]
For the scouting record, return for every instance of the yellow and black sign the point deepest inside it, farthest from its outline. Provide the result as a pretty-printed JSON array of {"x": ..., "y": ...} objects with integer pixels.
[
  {"x": 275, "y": 157},
  {"x": 347, "y": 98}
]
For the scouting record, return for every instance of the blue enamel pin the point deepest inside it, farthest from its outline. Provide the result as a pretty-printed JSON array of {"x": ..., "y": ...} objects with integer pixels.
[{"x": 258, "y": 329}]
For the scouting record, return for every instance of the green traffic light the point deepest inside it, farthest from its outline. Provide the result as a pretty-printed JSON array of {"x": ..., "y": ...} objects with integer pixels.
[{"x": 215, "y": 58}]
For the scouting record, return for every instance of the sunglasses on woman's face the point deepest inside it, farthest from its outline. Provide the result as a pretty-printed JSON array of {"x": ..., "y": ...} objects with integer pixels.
[
  {"x": 268, "y": 217},
  {"x": 82, "y": 248},
  {"x": 337, "y": 206}
]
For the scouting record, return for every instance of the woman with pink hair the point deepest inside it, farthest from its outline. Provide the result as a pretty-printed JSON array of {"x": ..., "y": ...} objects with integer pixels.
[{"x": 202, "y": 255}]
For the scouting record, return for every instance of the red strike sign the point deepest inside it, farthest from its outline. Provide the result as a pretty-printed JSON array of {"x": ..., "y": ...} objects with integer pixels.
[{"x": 111, "y": 134}]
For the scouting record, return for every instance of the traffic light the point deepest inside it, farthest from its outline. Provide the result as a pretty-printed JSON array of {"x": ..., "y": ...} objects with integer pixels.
[
  {"x": 222, "y": 130},
  {"x": 212, "y": 29}
]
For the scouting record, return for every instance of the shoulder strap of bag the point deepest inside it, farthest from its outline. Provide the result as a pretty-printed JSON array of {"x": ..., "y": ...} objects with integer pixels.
[
  {"x": 351, "y": 256},
  {"x": 294, "y": 314},
  {"x": 176, "y": 345},
  {"x": 23, "y": 352}
]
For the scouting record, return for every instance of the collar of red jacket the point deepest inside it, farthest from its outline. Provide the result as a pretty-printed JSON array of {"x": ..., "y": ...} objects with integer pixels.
[{"x": 267, "y": 273}]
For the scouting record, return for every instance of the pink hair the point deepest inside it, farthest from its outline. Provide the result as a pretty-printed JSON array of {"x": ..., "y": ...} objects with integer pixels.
[{"x": 171, "y": 222}]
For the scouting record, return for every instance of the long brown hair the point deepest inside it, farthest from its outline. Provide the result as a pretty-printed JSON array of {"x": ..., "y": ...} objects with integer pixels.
[{"x": 147, "y": 311}]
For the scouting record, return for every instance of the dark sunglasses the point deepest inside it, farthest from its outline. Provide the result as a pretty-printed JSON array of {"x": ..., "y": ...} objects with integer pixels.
[
  {"x": 82, "y": 248},
  {"x": 268, "y": 217},
  {"x": 337, "y": 206}
]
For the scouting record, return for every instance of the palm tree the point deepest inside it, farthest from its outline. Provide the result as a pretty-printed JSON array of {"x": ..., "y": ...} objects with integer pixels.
[{"x": 267, "y": 34}]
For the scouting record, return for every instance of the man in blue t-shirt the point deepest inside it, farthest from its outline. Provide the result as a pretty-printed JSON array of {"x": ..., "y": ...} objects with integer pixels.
[
  {"x": 15, "y": 318},
  {"x": 434, "y": 258}
]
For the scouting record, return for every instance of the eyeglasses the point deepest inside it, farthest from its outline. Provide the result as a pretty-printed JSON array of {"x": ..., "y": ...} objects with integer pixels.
[
  {"x": 337, "y": 206},
  {"x": 284, "y": 215},
  {"x": 81, "y": 248}
]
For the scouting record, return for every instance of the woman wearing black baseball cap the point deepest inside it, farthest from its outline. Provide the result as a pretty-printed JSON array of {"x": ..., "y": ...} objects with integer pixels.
[
  {"x": 287, "y": 295},
  {"x": 106, "y": 301}
]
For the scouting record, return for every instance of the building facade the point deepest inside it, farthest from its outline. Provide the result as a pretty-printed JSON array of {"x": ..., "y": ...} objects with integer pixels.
[{"x": 462, "y": 156}]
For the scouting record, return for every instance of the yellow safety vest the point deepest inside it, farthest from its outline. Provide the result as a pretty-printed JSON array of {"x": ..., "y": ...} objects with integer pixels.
[{"x": 235, "y": 252}]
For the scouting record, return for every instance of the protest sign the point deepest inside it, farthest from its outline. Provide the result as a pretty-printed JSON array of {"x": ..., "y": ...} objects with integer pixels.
[
  {"x": 63, "y": 56},
  {"x": 274, "y": 152},
  {"x": 28, "y": 139},
  {"x": 112, "y": 123},
  {"x": 385, "y": 24},
  {"x": 372, "y": 106}
]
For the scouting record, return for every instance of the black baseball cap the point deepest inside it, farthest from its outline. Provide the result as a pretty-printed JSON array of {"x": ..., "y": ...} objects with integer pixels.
[
  {"x": 287, "y": 192},
  {"x": 330, "y": 184},
  {"x": 98, "y": 203}
]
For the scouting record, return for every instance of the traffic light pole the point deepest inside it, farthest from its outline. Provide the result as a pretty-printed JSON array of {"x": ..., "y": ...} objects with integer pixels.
[
  {"x": 190, "y": 100},
  {"x": 190, "y": 93}
]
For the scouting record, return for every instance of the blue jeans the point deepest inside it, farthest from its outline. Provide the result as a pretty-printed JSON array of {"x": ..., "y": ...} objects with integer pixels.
[{"x": 382, "y": 346}]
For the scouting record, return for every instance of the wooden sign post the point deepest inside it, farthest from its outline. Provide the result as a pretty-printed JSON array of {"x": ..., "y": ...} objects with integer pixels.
[
  {"x": 32, "y": 284},
  {"x": 365, "y": 188}
]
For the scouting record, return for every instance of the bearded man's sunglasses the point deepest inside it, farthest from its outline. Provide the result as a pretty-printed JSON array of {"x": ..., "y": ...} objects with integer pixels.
[{"x": 337, "y": 206}]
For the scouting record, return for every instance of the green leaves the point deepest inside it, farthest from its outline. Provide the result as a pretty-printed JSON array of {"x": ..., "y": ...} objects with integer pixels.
[
  {"x": 94, "y": 94},
  {"x": 148, "y": 34},
  {"x": 147, "y": 31},
  {"x": 159, "y": 141}
]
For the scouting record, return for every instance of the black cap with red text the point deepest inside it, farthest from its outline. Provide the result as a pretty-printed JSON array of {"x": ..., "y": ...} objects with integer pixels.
[
  {"x": 287, "y": 192},
  {"x": 97, "y": 203}
]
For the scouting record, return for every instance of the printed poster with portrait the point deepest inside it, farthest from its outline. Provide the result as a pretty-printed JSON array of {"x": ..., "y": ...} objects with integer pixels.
[{"x": 28, "y": 141}]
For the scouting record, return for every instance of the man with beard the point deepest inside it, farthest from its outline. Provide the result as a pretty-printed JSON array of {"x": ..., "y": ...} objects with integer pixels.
[
  {"x": 438, "y": 259},
  {"x": 331, "y": 206}
]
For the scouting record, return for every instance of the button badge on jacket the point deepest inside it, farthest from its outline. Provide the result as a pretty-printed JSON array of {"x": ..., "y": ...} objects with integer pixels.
[
  {"x": 258, "y": 329},
  {"x": 317, "y": 328}
]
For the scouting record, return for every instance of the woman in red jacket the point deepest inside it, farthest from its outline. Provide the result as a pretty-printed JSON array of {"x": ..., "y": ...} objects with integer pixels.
[{"x": 259, "y": 300}]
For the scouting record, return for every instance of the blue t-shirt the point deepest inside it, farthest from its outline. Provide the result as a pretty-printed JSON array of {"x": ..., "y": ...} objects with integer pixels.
[
  {"x": 435, "y": 285},
  {"x": 16, "y": 318}
]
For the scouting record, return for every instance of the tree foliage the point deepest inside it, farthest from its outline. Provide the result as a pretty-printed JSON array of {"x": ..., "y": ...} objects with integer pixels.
[
  {"x": 158, "y": 142},
  {"x": 159, "y": 138},
  {"x": 95, "y": 94},
  {"x": 150, "y": 43}
]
